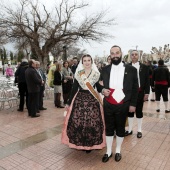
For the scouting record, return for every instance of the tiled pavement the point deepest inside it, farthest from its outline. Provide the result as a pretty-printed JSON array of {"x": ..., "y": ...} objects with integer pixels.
[{"x": 34, "y": 144}]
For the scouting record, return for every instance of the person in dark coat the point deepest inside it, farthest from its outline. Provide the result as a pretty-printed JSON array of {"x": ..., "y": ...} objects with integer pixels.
[
  {"x": 33, "y": 81},
  {"x": 74, "y": 66},
  {"x": 22, "y": 85},
  {"x": 40, "y": 105},
  {"x": 143, "y": 93},
  {"x": 68, "y": 81},
  {"x": 161, "y": 83},
  {"x": 58, "y": 79}
]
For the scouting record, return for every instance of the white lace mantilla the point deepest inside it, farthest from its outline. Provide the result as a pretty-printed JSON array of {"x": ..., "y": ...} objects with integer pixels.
[{"x": 93, "y": 78}]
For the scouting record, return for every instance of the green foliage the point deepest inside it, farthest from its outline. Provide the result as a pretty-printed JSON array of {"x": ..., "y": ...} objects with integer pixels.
[
  {"x": 20, "y": 56},
  {"x": 11, "y": 55}
]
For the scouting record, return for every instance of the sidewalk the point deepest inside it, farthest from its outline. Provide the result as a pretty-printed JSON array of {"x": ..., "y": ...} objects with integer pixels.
[{"x": 35, "y": 144}]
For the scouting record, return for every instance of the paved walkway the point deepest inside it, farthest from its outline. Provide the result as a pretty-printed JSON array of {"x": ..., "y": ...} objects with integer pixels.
[{"x": 34, "y": 144}]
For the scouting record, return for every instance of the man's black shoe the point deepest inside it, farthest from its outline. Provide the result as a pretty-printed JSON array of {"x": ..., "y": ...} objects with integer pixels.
[
  {"x": 118, "y": 157},
  {"x": 38, "y": 111},
  {"x": 106, "y": 157},
  {"x": 20, "y": 110},
  {"x": 158, "y": 110},
  {"x": 37, "y": 115},
  {"x": 43, "y": 108},
  {"x": 167, "y": 111},
  {"x": 139, "y": 134},
  {"x": 127, "y": 133}
]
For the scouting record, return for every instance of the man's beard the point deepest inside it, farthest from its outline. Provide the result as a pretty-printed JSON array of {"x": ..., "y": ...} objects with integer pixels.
[{"x": 116, "y": 62}]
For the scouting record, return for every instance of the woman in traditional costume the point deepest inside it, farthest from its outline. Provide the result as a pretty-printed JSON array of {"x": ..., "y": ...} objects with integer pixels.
[{"x": 84, "y": 124}]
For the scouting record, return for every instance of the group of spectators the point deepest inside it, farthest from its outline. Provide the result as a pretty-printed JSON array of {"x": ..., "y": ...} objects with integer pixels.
[
  {"x": 31, "y": 83},
  {"x": 60, "y": 77}
]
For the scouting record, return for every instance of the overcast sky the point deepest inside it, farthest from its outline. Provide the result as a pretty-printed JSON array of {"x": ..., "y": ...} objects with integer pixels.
[{"x": 141, "y": 23}]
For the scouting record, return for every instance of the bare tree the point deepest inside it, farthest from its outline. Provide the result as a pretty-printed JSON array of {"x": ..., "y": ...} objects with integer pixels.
[
  {"x": 23, "y": 45},
  {"x": 72, "y": 50},
  {"x": 42, "y": 30},
  {"x": 75, "y": 51},
  {"x": 3, "y": 39}
]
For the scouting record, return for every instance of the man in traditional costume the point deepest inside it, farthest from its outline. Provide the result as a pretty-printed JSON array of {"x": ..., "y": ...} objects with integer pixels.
[
  {"x": 143, "y": 93},
  {"x": 161, "y": 83},
  {"x": 120, "y": 90}
]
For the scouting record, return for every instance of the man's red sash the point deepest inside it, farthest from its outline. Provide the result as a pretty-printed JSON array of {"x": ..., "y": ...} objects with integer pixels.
[{"x": 110, "y": 99}]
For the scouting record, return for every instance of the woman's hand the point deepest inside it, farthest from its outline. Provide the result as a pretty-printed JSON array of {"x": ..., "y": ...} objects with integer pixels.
[{"x": 67, "y": 107}]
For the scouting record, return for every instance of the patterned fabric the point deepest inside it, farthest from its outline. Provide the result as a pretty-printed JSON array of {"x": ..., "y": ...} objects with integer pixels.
[
  {"x": 85, "y": 125},
  {"x": 93, "y": 78}
]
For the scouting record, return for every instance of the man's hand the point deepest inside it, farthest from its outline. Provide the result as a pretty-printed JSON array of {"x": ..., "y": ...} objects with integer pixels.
[
  {"x": 145, "y": 97},
  {"x": 132, "y": 109},
  {"x": 106, "y": 92}
]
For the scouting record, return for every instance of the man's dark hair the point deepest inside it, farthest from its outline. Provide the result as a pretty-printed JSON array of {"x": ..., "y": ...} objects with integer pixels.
[
  {"x": 161, "y": 62},
  {"x": 154, "y": 62},
  {"x": 116, "y": 46}
]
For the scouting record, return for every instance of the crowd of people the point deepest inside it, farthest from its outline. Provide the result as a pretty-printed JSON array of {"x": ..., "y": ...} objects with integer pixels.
[{"x": 99, "y": 97}]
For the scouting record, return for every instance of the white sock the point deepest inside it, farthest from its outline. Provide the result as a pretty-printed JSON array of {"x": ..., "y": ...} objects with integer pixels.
[
  {"x": 130, "y": 122},
  {"x": 166, "y": 105},
  {"x": 119, "y": 141},
  {"x": 158, "y": 104},
  {"x": 109, "y": 142},
  {"x": 139, "y": 120},
  {"x": 153, "y": 95}
]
